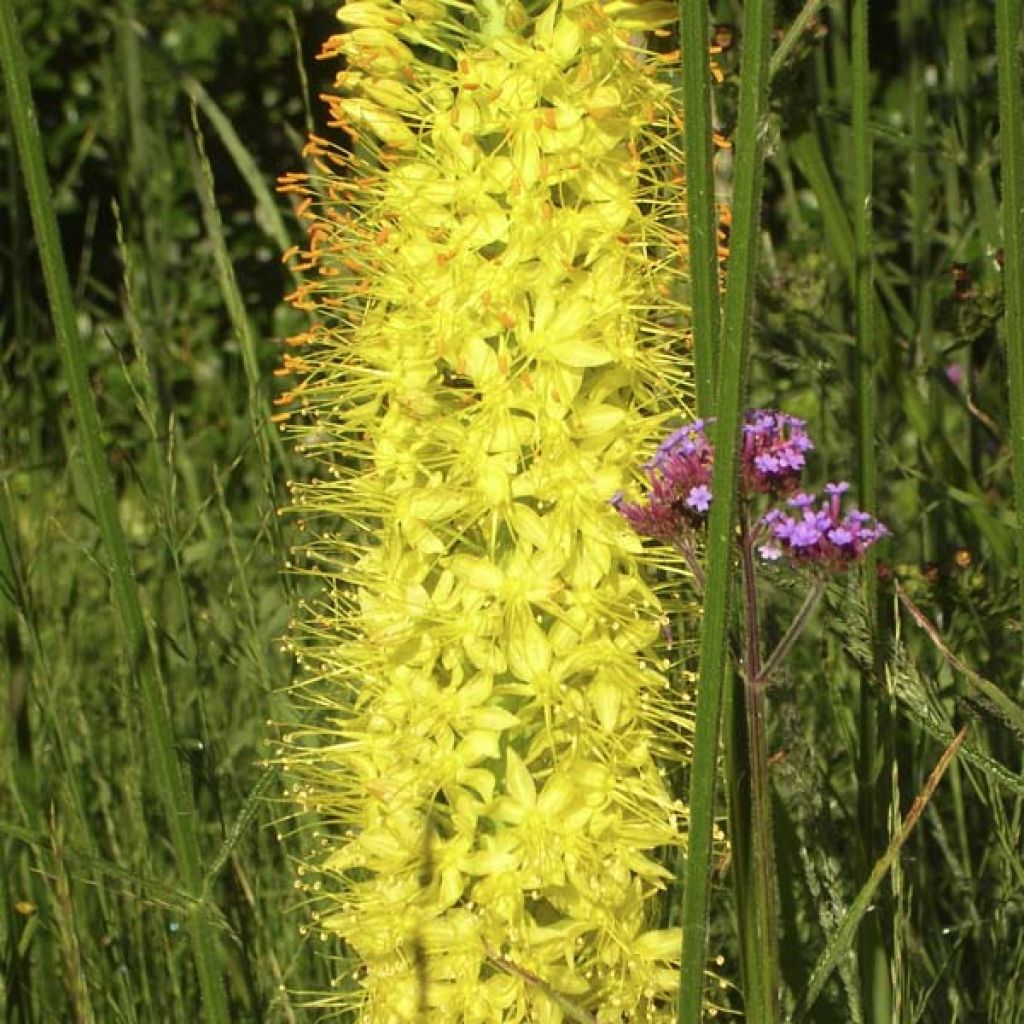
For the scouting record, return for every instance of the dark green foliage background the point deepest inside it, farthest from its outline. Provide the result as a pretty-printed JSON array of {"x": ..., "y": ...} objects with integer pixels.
[{"x": 91, "y": 922}]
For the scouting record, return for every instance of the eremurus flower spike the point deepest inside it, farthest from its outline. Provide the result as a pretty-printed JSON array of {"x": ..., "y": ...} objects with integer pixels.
[{"x": 491, "y": 268}]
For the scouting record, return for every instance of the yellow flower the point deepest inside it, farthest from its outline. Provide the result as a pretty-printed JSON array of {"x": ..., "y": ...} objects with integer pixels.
[{"x": 493, "y": 264}]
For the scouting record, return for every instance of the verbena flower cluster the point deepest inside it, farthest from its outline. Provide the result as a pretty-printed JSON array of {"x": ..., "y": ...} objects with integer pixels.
[
  {"x": 818, "y": 532},
  {"x": 773, "y": 456}
]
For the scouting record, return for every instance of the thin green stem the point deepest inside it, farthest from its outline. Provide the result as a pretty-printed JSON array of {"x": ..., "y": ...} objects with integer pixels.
[
  {"x": 701, "y": 217},
  {"x": 796, "y": 627},
  {"x": 864, "y": 268},
  {"x": 731, "y": 393},
  {"x": 144, "y": 668},
  {"x": 801, "y": 23},
  {"x": 763, "y": 973},
  {"x": 1011, "y": 149}
]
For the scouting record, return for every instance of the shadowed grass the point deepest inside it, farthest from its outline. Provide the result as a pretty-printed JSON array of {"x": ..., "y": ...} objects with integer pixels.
[{"x": 1011, "y": 139}]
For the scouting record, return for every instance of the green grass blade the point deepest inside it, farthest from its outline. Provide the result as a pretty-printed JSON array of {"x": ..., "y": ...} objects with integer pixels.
[
  {"x": 1011, "y": 148},
  {"x": 124, "y": 589},
  {"x": 267, "y": 440},
  {"x": 731, "y": 394},
  {"x": 793, "y": 35},
  {"x": 1002, "y": 706},
  {"x": 810, "y": 160},
  {"x": 873, "y": 960},
  {"x": 864, "y": 275},
  {"x": 702, "y": 221},
  {"x": 268, "y": 213},
  {"x": 840, "y": 943}
]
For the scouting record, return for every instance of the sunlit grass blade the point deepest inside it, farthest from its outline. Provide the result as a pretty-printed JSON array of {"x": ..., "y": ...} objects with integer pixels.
[
  {"x": 731, "y": 394},
  {"x": 801, "y": 23},
  {"x": 267, "y": 439},
  {"x": 702, "y": 221},
  {"x": 74, "y": 358}
]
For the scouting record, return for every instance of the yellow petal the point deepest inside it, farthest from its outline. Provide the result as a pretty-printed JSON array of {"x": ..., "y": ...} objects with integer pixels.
[{"x": 518, "y": 781}]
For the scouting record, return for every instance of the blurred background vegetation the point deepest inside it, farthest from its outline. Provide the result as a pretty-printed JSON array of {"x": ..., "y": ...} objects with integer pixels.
[{"x": 165, "y": 127}]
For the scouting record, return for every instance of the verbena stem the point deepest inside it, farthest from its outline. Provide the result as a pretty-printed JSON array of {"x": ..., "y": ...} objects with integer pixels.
[
  {"x": 139, "y": 654},
  {"x": 764, "y": 971},
  {"x": 796, "y": 627}
]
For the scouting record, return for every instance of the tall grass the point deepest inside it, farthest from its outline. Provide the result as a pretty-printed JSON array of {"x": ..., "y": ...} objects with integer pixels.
[
  {"x": 730, "y": 394},
  {"x": 102, "y": 921},
  {"x": 169, "y": 238},
  {"x": 139, "y": 655}
]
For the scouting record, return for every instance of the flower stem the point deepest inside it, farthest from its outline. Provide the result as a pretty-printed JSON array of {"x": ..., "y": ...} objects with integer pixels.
[
  {"x": 761, "y": 975},
  {"x": 796, "y": 627}
]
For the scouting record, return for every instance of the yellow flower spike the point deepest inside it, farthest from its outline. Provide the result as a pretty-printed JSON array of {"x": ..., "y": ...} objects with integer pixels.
[{"x": 495, "y": 347}]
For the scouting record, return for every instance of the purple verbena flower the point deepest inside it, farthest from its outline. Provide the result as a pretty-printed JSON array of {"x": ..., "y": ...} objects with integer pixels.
[
  {"x": 699, "y": 498},
  {"x": 774, "y": 452},
  {"x": 679, "y": 486},
  {"x": 818, "y": 534},
  {"x": 773, "y": 455}
]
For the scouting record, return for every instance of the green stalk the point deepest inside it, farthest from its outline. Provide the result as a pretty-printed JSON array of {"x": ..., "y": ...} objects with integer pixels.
[
  {"x": 1011, "y": 149},
  {"x": 793, "y": 35},
  {"x": 731, "y": 393},
  {"x": 873, "y": 961},
  {"x": 125, "y": 595},
  {"x": 268, "y": 215},
  {"x": 268, "y": 441},
  {"x": 763, "y": 972},
  {"x": 702, "y": 223},
  {"x": 921, "y": 296},
  {"x": 796, "y": 627}
]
